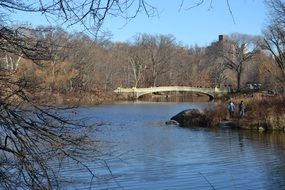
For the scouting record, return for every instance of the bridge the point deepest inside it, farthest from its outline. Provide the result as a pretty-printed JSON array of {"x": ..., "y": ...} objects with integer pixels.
[{"x": 137, "y": 92}]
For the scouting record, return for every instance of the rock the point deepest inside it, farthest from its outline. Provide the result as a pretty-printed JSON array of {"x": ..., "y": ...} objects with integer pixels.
[
  {"x": 191, "y": 118},
  {"x": 260, "y": 129},
  {"x": 171, "y": 122},
  {"x": 229, "y": 124}
]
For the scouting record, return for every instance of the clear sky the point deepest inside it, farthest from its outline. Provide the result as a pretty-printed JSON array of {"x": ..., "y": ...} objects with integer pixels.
[{"x": 200, "y": 25}]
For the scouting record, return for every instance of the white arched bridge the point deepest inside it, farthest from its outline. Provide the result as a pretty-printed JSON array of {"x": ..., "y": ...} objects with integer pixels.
[{"x": 137, "y": 92}]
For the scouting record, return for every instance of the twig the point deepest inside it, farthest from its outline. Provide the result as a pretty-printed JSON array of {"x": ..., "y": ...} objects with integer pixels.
[{"x": 207, "y": 181}]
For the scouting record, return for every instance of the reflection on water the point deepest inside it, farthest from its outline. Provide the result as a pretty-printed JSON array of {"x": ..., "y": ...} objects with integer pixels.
[
  {"x": 147, "y": 154},
  {"x": 174, "y": 97}
]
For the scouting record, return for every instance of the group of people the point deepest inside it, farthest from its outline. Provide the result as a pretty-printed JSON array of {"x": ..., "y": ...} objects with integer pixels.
[{"x": 231, "y": 109}]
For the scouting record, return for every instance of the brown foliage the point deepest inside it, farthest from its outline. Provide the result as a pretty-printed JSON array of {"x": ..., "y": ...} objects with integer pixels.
[
  {"x": 261, "y": 111},
  {"x": 267, "y": 106},
  {"x": 216, "y": 115}
]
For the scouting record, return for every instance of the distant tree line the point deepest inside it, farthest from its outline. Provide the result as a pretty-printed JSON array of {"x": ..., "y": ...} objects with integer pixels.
[{"x": 79, "y": 64}]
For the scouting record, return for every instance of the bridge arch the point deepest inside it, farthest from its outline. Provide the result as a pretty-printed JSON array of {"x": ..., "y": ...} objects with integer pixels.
[{"x": 137, "y": 92}]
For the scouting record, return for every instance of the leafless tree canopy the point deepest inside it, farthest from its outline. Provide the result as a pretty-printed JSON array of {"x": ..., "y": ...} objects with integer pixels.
[
  {"x": 23, "y": 42},
  {"x": 277, "y": 11},
  {"x": 274, "y": 34},
  {"x": 233, "y": 53},
  {"x": 90, "y": 13},
  {"x": 35, "y": 136}
]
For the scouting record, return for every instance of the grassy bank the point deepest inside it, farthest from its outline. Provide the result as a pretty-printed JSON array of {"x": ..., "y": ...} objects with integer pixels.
[{"x": 261, "y": 111}]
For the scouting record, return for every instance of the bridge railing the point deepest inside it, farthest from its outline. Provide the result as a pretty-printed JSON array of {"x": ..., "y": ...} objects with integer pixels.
[{"x": 166, "y": 88}]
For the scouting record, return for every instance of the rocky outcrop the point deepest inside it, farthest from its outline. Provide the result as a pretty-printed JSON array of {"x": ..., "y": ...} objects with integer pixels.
[
  {"x": 192, "y": 118},
  {"x": 171, "y": 122}
]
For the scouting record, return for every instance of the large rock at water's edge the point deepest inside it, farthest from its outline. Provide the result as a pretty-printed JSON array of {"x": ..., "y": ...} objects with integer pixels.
[
  {"x": 192, "y": 118},
  {"x": 171, "y": 122}
]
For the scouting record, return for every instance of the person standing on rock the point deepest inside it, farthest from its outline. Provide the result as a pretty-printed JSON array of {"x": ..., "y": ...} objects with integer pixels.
[
  {"x": 231, "y": 108},
  {"x": 241, "y": 109}
]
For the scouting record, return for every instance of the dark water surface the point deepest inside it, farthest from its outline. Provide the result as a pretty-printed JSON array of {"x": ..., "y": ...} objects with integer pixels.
[{"x": 147, "y": 154}]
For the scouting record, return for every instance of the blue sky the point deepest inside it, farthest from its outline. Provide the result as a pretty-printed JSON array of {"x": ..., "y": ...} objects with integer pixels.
[{"x": 197, "y": 26}]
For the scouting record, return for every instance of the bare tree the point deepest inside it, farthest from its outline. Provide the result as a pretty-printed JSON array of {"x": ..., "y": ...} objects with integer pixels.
[
  {"x": 277, "y": 11},
  {"x": 217, "y": 70},
  {"x": 235, "y": 52},
  {"x": 138, "y": 65},
  {"x": 274, "y": 43},
  {"x": 10, "y": 61},
  {"x": 35, "y": 136},
  {"x": 89, "y": 14},
  {"x": 158, "y": 53},
  {"x": 274, "y": 34},
  {"x": 188, "y": 5},
  {"x": 269, "y": 74}
]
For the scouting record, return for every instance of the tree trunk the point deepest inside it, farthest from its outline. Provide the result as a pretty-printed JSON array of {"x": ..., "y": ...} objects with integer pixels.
[{"x": 238, "y": 80}]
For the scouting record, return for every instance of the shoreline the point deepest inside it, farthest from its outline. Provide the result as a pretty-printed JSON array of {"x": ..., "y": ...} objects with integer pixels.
[{"x": 262, "y": 113}]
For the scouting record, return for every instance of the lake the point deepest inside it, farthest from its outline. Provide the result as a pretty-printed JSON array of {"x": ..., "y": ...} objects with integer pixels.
[{"x": 144, "y": 153}]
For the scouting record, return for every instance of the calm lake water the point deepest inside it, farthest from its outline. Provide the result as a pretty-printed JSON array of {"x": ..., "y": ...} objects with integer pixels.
[{"x": 144, "y": 153}]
